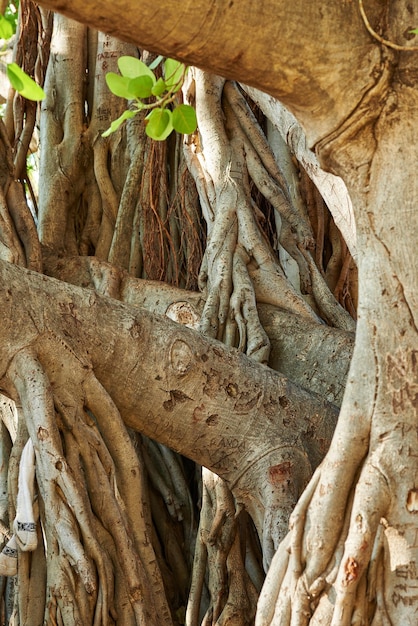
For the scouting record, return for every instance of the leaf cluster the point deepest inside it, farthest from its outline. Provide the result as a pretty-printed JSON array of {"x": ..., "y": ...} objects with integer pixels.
[
  {"x": 138, "y": 83},
  {"x": 8, "y": 21},
  {"x": 19, "y": 80}
]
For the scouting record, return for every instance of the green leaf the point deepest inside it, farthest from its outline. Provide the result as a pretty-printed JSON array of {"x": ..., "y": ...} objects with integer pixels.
[
  {"x": 414, "y": 32},
  {"x": 126, "y": 115},
  {"x": 141, "y": 86},
  {"x": 159, "y": 87},
  {"x": 156, "y": 62},
  {"x": 6, "y": 29},
  {"x": 119, "y": 85},
  {"x": 173, "y": 72},
  {"x": 23, "y": 83},
  {"x": 159, "y": 124},
  {"x": 131, "y": 67},
  {"x": 184, "y": 119}
]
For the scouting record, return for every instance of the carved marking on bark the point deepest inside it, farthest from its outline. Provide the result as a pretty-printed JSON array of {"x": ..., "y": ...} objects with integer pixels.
[
  {"x": 212, "y": 383},
  {"x": 401, "y": 370},
  {"x": 408, "y": 571},
  {"x": 232, "y": 390},
  {"x": 406, "y": 600},
  {"x": 68, "y": 310},
  {"x": 181, "y": 357},
  {"x": 43, "y": 434},
  {"x": 399, "y": 550},
  {"x": 283, "y": 401},
  {"x": 198, "y": 413},
  {"x": 278, "y": 474},
  {"x": 232, "y": 442},
  {"x": 175, "y": 397},
  {"x": 135, "y": 330},
  {"x": 247, "y": 401}
]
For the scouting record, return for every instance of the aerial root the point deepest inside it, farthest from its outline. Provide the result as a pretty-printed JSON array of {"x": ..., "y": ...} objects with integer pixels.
[
  {"x": 252, "y": 337},
  {"x": 370, "y": 504},
  {"x": 56, "y": 484},
  {"x": 330, "y": 308},
  {"x": 132, "y": 536},
  {"x": 263, "y": 166},
  {"x": 232, "y": 592},
  {"x": 95, "y": 469},
  {"x": 297, "y": 593},
  {"x": 216, "y": 273},
  {"x": 286, "y": 566},
  {"x": 272, "y": 584}
]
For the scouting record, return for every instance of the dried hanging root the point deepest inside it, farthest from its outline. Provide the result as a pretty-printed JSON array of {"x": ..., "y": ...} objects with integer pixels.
[
  {"x": 263, "y": 167},
  {"x": 232, "y": 594}
]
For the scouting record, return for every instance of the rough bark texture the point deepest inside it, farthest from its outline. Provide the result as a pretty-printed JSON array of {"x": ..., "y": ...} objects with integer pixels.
[
  {"x": 301, "y": 58},
  {"x": 82, "y": 363}
]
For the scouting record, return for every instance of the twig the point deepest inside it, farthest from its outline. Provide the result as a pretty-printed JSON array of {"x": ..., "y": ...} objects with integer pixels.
[{"x": 378, "y": 37}]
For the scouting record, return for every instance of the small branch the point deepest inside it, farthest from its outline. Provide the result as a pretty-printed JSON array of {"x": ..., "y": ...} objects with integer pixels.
[{"x": 379, "y": 38}]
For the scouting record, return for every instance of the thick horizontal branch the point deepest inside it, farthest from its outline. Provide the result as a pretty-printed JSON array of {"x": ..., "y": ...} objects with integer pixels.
[
  {"x": 312, "y": 355},
  {"x": 292, "y": 46},
  {"x": 208, "y": 402}
]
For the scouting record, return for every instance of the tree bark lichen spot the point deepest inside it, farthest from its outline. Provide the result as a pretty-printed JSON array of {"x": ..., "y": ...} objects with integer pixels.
[{"x": 351, "y": 571}]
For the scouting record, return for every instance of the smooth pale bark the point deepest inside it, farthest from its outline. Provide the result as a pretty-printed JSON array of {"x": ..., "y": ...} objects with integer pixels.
[
  {"x": 317, "y": 57},
  {"x": 361, "y": 508}
]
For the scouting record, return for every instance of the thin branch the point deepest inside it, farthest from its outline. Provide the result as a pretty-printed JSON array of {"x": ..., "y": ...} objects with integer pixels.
[{"x": 375, "y": 35}]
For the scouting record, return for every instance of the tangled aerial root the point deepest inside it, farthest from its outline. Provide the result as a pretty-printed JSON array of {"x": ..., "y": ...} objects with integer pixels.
[
  {"x": 89, "y": 481},
  {"x": 330, "y": 576}
]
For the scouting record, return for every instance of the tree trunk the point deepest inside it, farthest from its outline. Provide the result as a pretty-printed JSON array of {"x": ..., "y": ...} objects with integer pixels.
[{"x": 355, "y": 546}]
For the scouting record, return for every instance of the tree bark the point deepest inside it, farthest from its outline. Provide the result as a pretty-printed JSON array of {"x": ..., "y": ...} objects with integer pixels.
[
  {"x": 310, "y": 354},
  {"x": 352, "y": 551},
  {"x": 211, "y": 404}
]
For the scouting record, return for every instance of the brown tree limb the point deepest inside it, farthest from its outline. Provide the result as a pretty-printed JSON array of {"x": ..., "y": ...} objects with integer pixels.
[
  {"x": 210, "y": 403},
  {"x": 196, "y": 32}
]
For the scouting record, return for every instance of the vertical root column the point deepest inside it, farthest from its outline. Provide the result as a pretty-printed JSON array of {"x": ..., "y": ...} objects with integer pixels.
[
  {"x": 90, "y": 490},
  {"x": 232, "y": 593}
]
